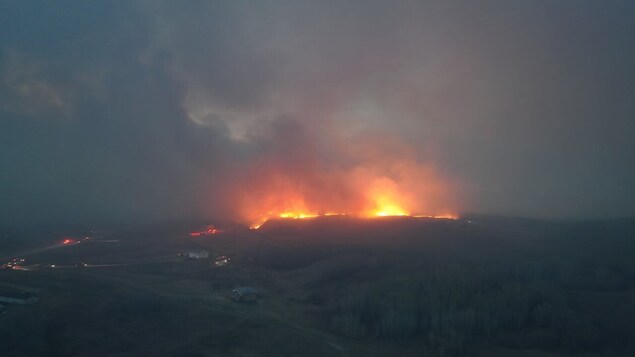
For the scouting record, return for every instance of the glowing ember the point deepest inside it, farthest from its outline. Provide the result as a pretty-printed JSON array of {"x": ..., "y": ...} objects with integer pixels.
[
  {"x": 442, "y": 216},
  {"x": 287, "y": 215},
  {"x": 390, "y": 211},
  {"x": 206, "y": 231},
  {"x": 374, "y": 215},
  {"x": 296, "y": 215},
  {"x": 68, "y": 241}
]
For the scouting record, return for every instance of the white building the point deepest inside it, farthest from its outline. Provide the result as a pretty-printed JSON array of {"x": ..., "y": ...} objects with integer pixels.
[{"x": 198, "y": 254}]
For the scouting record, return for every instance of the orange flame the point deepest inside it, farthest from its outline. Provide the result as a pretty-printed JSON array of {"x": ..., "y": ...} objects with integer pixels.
[
  {"x": 382, "y": 198},
  {"x": 385, "y": 198},
  {"x": 364, "y": 180}
]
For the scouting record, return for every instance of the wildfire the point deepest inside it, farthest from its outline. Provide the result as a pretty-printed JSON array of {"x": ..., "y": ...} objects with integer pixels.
[
  {"x": 364, "y": 180},
  {"x": 375, "y": 197},
  {"x": 206, "y": 231},
  {"x": 287, "y": 215},
  {"x": 388, "y": 212},
  {"x": 441, "y": 216},
  {"x": 297, "y": 215},
  {"x": 384, "y": 208}
]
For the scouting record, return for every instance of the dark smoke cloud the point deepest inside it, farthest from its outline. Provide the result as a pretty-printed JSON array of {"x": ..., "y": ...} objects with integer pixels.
[{"x": 122, "y": 111}]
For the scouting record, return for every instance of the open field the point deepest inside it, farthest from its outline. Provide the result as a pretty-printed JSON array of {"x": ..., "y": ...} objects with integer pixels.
[{"x": 337, "y": 286}]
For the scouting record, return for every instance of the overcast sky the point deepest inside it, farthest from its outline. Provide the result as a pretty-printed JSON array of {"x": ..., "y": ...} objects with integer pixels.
[{"x": 114, "y": 111}]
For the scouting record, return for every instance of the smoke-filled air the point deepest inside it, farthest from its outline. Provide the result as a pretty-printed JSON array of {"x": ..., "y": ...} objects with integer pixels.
[
  {"x": 342, "y": 178},
  {"x": 242, "y": 111}
]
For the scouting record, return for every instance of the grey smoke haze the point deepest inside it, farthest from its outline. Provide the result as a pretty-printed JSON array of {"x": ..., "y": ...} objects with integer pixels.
[{"x": 124, "y": 110}]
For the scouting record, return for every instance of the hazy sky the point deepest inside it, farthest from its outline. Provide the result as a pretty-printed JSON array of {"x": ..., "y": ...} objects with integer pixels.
[{"x": 141, "y": 110}]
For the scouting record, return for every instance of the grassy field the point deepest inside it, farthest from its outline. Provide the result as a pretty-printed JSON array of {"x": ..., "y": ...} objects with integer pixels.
[{"x": 337, "y": 286}]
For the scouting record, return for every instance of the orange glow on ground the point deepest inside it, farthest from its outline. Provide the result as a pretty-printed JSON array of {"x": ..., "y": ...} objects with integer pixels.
[
  {"x": 387, "y": 210},
  {"x": 382, "y": 198},
  {"x": 441, "y": 216},
  {"x": 297, "y": 215},
  {"x": 206, "y": 231},
  {"x": 380, "y": 214},
  {"x": 284, "y": 215}
]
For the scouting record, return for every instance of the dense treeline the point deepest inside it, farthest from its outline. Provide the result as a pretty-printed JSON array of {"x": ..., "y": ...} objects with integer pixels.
[
  {"x": 568, "y": 291},
  {"x": 455, "y": 307}
]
